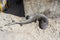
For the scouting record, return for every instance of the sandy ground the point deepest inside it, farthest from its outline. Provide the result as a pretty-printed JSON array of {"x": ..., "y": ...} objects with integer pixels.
[
  {"x": 28, "y": 31},
  {"x": 31, "y": 31}
]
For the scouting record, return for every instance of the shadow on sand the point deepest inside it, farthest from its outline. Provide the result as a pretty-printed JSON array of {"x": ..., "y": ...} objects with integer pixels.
[{"x": 15, "y": 7}]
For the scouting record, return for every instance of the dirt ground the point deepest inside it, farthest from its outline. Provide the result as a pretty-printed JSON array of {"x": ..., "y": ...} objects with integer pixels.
[{"x": 32, "y": 31}]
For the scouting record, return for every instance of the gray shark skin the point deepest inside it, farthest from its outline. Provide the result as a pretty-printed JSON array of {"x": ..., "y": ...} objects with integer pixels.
[{"x": 42, "y": 19}]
